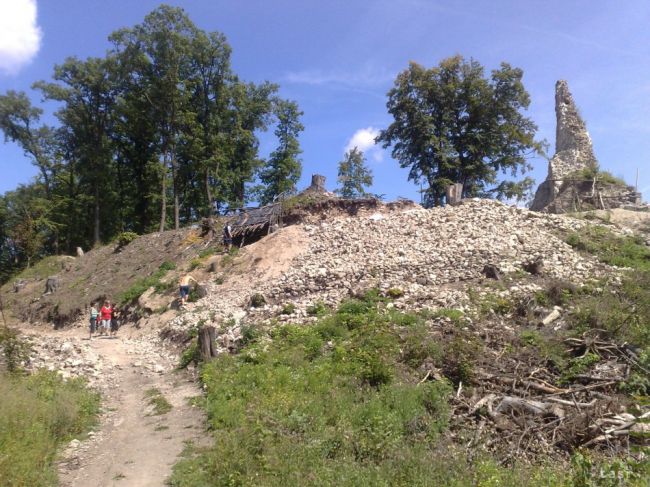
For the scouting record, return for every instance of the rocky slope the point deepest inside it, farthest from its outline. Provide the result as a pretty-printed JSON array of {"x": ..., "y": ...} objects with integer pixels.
[{"x": 431, "y": 256}]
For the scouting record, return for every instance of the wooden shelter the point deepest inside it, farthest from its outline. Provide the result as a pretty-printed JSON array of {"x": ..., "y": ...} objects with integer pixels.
[{"x": 251, "y": 224}]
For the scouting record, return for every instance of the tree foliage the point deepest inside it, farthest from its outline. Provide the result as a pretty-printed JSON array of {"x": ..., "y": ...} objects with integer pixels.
[
  {"x": 284, "y": 166},
  {"x": 452, "y": 124},
  {"x": 155, "y": 134},
  {"x": 354, "y": 175}
]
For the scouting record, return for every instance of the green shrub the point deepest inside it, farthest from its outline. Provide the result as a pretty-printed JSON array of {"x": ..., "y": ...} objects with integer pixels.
[
  {"x": 125, "y": 238},
  {"x": 208, "y": 252},
  {"x": 15, "y": 349},
  {"x": 317, "y": 309},
  {"x": 194, "y": 263},
  {"x": 191, "y": 355},
  {"x": 257, "y": 300},
  {"x": 40, "y": 413},
  {"x": 288, "y": 309},
  {"x": 395, "y": 293},
  {"x": 167, "y": 266},
  {"x": 141, "y": 285}
]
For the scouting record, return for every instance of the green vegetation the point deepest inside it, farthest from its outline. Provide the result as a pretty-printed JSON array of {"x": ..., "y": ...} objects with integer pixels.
[
  {"x": 288, "y": 309},
  {"x": 317, "y": 309},
  {"x": 622, "y": 251},
  {"x": 482, "y": 144},
  {"x": 395, "y": 293},
  {"x": 335, "y": 403},
  {"x": 341, "y": 403},
  {"x": 43, "y": 268},
  {"x": 40, "y": 413},
  {"x": 141, "y": 285},
  {"x": 15, "y": 350},
  {"x": 125, "y": 238},
  {"x": 104, "y": 106},
  {"x": 605, "y": 177},
  {"x": 617, "y": 312},
  {"x": 229, "y": 258},
  {"x": 160, "y": 405}
]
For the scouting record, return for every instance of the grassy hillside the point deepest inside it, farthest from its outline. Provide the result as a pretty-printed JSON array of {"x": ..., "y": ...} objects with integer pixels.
[
  {"x": 114, "y": 271},
  {"x": 369, "y": 395}
]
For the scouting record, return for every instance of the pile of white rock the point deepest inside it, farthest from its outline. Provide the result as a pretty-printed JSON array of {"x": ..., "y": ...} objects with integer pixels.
[{"x": 431, "y": 256}]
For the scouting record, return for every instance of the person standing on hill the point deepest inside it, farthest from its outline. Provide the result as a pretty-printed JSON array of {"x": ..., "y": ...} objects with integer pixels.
[
  {"x": 106, "y": 314},
  {"x": 227, "y": 236},
  {"x": 184, "y": 287},
  {"x": 93, "y": 318}
]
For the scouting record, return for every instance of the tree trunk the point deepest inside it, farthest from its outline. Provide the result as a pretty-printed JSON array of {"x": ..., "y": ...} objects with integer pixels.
[
  {"x": 206, "y": 340},
  {"x": 96, "y": 233},
  {"x": 163, "y": 197},
  {"x": 208, "y": 193},
  {"x": 175, "y": 188}
]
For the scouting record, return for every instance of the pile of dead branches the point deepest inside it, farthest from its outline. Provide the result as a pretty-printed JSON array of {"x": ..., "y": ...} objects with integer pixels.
[{"x": 519, "y": 410}]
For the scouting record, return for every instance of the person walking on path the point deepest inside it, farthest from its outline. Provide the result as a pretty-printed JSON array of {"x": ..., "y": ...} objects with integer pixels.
[
  {"x": 106, "y": 314},
  {"x": 115, "y": 324},
  {"x": 184, "y": 287},
  {"x": 93, "y": 318}
]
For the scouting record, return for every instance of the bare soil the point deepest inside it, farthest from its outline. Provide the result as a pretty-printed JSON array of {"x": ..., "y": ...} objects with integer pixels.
[{"x": 133, "y": 446}]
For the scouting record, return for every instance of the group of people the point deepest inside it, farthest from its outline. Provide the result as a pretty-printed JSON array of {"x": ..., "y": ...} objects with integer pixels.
[{"x": 103, "y": 321}]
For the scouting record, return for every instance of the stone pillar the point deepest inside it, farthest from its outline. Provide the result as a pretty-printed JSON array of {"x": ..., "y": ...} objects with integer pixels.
[{"x": 317, "y": 183}]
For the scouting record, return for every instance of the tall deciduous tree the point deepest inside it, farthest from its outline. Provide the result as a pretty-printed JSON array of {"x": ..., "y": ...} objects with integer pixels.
[
  {"x": 283, "y": 169},
  {"x": 452, "y": 124},
  {"x": 87, "y": 90},
  {"x": 20, "y": 123},
  {"x": 162, "y": 46},
  {"x": 354, "y": 175}
]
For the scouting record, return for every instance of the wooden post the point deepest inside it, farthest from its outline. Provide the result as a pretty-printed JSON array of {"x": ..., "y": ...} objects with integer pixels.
[{"x": 206, "y": 343}]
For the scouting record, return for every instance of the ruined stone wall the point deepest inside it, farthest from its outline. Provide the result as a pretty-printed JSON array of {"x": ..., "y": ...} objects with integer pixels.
[{"x": 574, "y": 153}]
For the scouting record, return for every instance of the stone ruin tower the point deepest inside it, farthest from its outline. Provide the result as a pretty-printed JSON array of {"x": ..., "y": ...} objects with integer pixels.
[{"x": 568, "y": 186}]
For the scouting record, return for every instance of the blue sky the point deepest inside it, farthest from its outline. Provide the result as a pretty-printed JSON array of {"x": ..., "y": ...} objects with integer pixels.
[{"x": 338, "y": 59}]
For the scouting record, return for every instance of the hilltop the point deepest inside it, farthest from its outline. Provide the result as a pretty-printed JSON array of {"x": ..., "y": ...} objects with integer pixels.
[{"x": 518, "y": 312}]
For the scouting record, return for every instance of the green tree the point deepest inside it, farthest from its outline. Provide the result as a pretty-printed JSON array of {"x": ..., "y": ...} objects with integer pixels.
[
  {"x": 451, "y": 124},
  {"x": 284, "y": 167},
  {"x": 161, "y": 45},
  {"x": 354, "y": 175},
  {"x": 87, "y": 90},
  {"x": 20, "y": 123}
]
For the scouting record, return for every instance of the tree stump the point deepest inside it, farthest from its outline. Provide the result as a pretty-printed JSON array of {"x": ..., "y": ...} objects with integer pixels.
[
  {"x": 534, "y": 267},
  {"x": 491, "y": 272},
  {"x": 454, "y": 194},
  {"x": 206, "y": 340}
]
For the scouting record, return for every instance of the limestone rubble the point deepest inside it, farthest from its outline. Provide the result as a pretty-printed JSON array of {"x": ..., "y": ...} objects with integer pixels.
[{"x": 434, "y": 256}]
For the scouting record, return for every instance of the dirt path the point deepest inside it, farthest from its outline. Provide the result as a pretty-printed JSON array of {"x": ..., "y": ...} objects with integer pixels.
[{"x": 132, "y": 445}]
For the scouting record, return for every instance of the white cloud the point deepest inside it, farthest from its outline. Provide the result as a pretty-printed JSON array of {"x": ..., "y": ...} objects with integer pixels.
[
  {"x": 20, "y": 35},
  {"x": 364, "y": 140}
]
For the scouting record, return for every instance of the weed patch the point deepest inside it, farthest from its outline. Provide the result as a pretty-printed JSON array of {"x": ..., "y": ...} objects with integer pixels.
[
  {"x": 159, "y": 404},
  {"x": 40, "y": 413}
]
